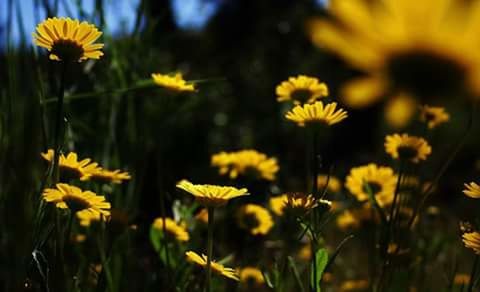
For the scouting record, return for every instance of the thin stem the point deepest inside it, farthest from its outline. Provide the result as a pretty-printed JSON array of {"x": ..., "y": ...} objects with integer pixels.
[
  {"x": 472, "y": 274},
  {"x": 59, "y": 123},
  {"x": 209, "y": 248},
  {"x": 313, "y": 243}
]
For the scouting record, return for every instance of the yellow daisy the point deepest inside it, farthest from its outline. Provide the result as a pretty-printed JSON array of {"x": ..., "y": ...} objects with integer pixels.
[
  {"x": 173, "y": 83},
  {"x": 216, "y": 267},
  {"x": 68, "y": 40},
  {"x": 70, "y": 167},
  {"x": 173, "y": 230},
  {"x": 277, "y": 204},
  {"x": 254, "y": 218},
  {"x": 211, "y": 195},
  {"x": 301, "y": 89},
  {"x": 251, "y": 276},
  {"x": 472, "y": 190},
  {"x": 246, "y": 162},
  {"x": 471, "y": 240},
  {"x": 433, "y": 116},
  {"x": 105, "y": 175},
  {"x": 86, "y": 219},
  {"x": 401, "y": 46},
  {"x": 300, "y": 204},
  {"x": 334, "y": 184},
  {"x": 316, "y": 113},
  {"x": 83, "y": 203},
  {"x": 407, "y": 147},
  {"x": 380, "y": 180}
]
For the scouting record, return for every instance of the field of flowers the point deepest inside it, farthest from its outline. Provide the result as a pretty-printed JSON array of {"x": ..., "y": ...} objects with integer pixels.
[{"x": 287, "y": 146}]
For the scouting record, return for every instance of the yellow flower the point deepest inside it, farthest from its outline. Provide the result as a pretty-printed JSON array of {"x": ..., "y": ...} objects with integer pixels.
[
  {"x": 301, "y": 204},
  {"x": 433, "y": 116},
  {"x": 354, "y": 285},
  {"x": 277, "y": 204},
  {"x": 305, "y": 252},
  {"x": 353, "y": 219},
  {"x": 173, "y": 230},
  {"x": 216, "y": 267},
  {"x": 246, "y": 162},
  {"x": 381, "y": 181},
  {"x": 461, "y": 279},
  {"x": 472, "y": 190},
  {"x": 211, "y": 195},
  {"x": 70, "y": 167},
  {"x": 251, "y": 276},
  {"x": 400, "y": 110},
  {"x": 401, "y": 45},
  {"x": 83, "y": 203},
  {"x": 86, "y": 219},
  {"x": 68, "y": 40},
  {"x": 105, "y": 175},
  {"x": 407, "y": 147},
  {"x": 472, "y": 241},
  {"x": 202, "y": 216},
  {"x": 334, "y": 184},
  {"x": 316, "y": 113},
  {"x": 301, "y": 89},
  {"x": 254, "y": 218},
  {"x": 173, "y": 83}
]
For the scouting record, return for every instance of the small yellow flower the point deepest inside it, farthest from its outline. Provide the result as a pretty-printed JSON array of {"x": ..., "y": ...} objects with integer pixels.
[
  {"x": 400, "y": 110},
  {"x": 305, "y": 252},
  {"x": 86, "y": 219},
  {"x": 316, "y": 113},
  {"x": 354, "y": 285},
  {"x": 202, "y": 216},
  {"x": 433, "y": 116},
  {"x": 301, "y": 89},
  {"x": 353, "y": 219},
  {"x": 472, "y": 241},
  {"x": 334, "y": 184},
  {"x": 472, "y": 190},
  {"x": 251, "y": 276},
  {"x": 105, "y": 175},
  {"x": 211, "y": 195},
  {"x": 461, "y": 279},
  {"x": 216, "y": 267},
  {"x": 277, "y": 204},
  {"x": 301, "y": 204},
  {"x": 83, "y": 203},
  {"x": 70, "y": 167},
  {"x": 246, "y": 162},
  {"x": 173, "y": 230},
  {"x": 407, "y": 147},
  {"x": 68, "y": 40},
  {"x": 254, "y": 218},
  {"x": 174, "y": 83},
  {"x": 379, "y": 179}
]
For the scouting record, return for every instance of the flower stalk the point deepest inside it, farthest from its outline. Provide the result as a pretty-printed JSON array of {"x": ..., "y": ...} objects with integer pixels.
[{"x": 209, "y": 249}]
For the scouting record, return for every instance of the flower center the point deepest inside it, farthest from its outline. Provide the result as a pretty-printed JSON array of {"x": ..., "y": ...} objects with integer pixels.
[
  {"x": 374, "y": 187},
  {"x": 75, "y": 203},
  {"x": 68, "y": 173},
  {"x": 67, "y": 50},
  {"x": 302, "y": 95},
  {"x": 407, "y": 152},
  {"x": 427, "y": 74},
  {"x": 250, "y": 221}
]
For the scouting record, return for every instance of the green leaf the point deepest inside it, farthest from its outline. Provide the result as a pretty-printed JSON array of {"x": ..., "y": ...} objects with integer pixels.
[{"x": 321, "y": 259}]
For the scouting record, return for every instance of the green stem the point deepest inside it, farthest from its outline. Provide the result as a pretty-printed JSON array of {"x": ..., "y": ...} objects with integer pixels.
[
  {"x": 209, "y": 248},
  {"x": 59, "y": 123},
  {"x": 472, "y": 274}
]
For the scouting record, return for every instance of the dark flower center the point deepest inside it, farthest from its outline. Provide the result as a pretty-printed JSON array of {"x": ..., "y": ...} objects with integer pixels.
[
  {"x": 374, "y": 187},
  {"x": 427, "y": 74},
  {"x": 67, "y": 50},
  {"x": 75, "y": 203},
  {"x": 250, "y": 221},
  {"x": 69, "y": 173},
  {"x": 302, "y": 95},
  {"x": 407, "y": 152}
]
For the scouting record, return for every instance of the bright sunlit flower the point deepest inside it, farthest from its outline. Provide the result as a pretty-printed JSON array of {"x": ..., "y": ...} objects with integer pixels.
[
  {"x": 65, "y": 196},
  {"x": 380, "y": 180},
  {"x": 251, "y": 276},
  {"x": 401, "y": 45},
  {"x": 316, "y": 113},
  {"x": 173, "y": 230},
  {"x": 472, "y": 190},
  {"x": 211, "y": 195},
  {"x": 70, "y": 167},
  {"x": 254, "y": 218},
  {"x": 173, "y": 83},
  {"x": 301, "y": 89},
  {"x": 471, "y": 240},
  {"x": 246, "y": 162},
  {"x": 433, "y": 116},
  {"x": 405, "y": 147},
  {"x": 113, "y": 176},
  {"x": 68, "y": 40},
  {"x": 216, "y": 267}
]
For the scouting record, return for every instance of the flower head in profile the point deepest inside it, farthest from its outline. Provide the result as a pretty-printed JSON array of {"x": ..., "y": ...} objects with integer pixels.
[
  {"x": 104, "y": 175},
  {"x": 400, "y": 45},
  {"x": 301, "y": 89},
  {"x": 433, "y": 116},
  {"x": 70, "y": 167},
  {"x": 406, "y": 147},
  {"x": 217, "y": 268},
  {"x": 83, "y": 203},
  {"x": 211, "y": 195},
  {"x": 68, "y": 40},
  {"x": 472, "y": 190},
  {"x": 301, "y": 204},
  {"x": 317, "y": 113},
  {"x": 379, "y": 180},
  {"x": 255, "y": 219},
  {"x": 174, "y": 83},
  {"x": 172, "y": 228},
  {"x": 246, "y": 162},
  {"x": 471, "y": 240},
  {"x": 251, "y": 277}
]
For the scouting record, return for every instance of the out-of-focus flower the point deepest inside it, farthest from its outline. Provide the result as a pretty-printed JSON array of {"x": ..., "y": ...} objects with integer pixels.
[
  {"x": 472, "y": 190},
  {"x": 400, "y": 110},
  {"x": 433, "y": 116},
  {"x": 471, "y": 240},
  {"x": 254, "y": 218},
  {"x": 202, "y": 216},
  {"x": 408, "y": 148},
  {"x": 301, "y": 89},
  {"x": 216, "y": 267},
  {"x": 211, "y": 195},
  {"x": 316, "y": 113},
  {"x": 246, "y": 162},
  {"x": 354, "y": 285},
  {"x": 173, "y": 230},
  {"x": 461, "y": 279},
  {"x": 277, "y": 204},
  {"x": 334, "y": 184},
  {"x": 251, "y": 276},
  {"x": 174, "y": 83}
]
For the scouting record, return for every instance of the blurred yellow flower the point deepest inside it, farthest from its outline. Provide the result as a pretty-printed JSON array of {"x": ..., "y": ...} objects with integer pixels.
[
  {"x": 216, "y": 267},
  {"x": 354, "y": 285},
  {"x": 400, "y": 110},
  {"x": 354, "y": 218},
  {"x": 305, "y": 252},
  {"x": 70, "y": 167},
  {"x": 86, "y": 219},
  {"x": 105, "y": 175},
  {"x": 334, "y": 184},
  {"x": 405, "y": 147},
  {"x": 277, "y": 204},
  {"x": 380, "y": 179},
  {"x": 433, "y": 116},
  {"x": 316, "y": 113},
  {"x": 211, "y": 195},
  {"x": 254, "y": 218},
  {"x": 251, "y": 276},
  {"x": 68, "y": 40},
  {"x": 472, "y": 241},
  {"x": 246, "y": 162},
  {"x": 301, "y": 89},
  {"x": 173, "y": 83},
  {"x": 202, "y": 215},
  {"x": 472, "y": 190},
  {"x": 173, "y": 230},
  {"x": 461, "y": 279},
  {"x": 65, "y": 196},
  {"x": 401, "y": 45}
]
